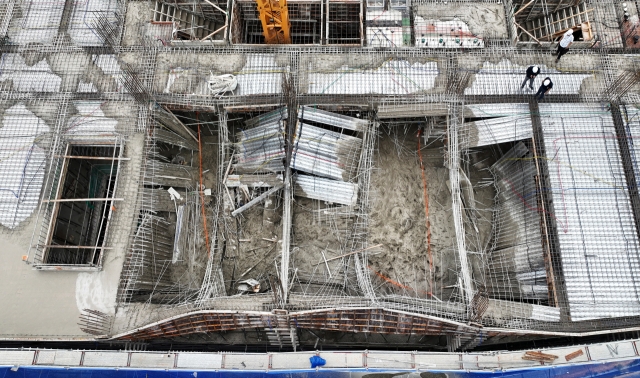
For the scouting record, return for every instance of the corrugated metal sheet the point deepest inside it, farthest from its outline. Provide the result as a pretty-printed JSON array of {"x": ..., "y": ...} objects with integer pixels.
[
  {"x": 324, "y": 153},
  {"x": 106, "y": 359},
  {"x": 21, "y": 163},
  {"x": 496, "y": 110},
  {"x": 498, "y": 130},
  {"x": 598, "y": 242},
  {"x": 326, "y": 190},
  {"x": 156, "y": 360},
  {"x": 260, "y": 75},
  {"x": 334, "y": 119},
  {"x": 391, "y": 77},
  {"x": 199, "y": 360},
  {"x": 505, "y": 78}
]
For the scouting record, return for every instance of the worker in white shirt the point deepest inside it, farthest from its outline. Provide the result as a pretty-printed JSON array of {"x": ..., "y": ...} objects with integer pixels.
[{"x": 565, "y": 42}]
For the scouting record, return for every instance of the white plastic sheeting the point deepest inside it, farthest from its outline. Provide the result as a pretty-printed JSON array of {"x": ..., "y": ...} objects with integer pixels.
[
  {"x": 511, "y": 123},
  {"x": 393, "y": 77},
  {"x": 598, "y": 241},
  {"x": 39, "y": 22},
  {"x": 22, "y": 164},
  {"x": 36, "y": 78},
  {"x": 90, "y": 121},
  {"x": 505, "y": 78}
]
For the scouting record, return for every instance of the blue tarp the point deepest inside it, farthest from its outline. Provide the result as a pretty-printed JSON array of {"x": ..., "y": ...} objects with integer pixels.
[{"x": 627, "y": 369}]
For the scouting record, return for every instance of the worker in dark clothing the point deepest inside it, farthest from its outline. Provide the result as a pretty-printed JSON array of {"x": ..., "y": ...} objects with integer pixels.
[
  {"x": 545, "y": 87},
  {"x": 531, "y": 73}
]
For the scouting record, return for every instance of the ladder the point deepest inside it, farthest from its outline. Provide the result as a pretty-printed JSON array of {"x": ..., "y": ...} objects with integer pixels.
[
  {"x": 281, "y": 333},
  {"x": 189, "y": 24},
  {"x": 552, "y": 26},
  {"x": 274, "y": 17}
]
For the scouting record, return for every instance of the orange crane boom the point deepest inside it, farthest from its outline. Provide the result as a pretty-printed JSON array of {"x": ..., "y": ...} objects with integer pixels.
[{"x": 274, "y": 16}]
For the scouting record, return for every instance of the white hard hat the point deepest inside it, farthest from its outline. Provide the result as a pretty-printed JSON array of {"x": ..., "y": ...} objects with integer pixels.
[
  {"x": 569, "y": 32},
  {"x": 546, "y": 82},
  {"x": 535, "y": 69}
]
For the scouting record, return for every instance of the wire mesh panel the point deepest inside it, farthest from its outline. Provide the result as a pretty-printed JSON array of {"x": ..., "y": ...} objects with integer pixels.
[
  {"x": 84, "y": 15},
  {"x": 37, "y": 22},
  {"x": 344, "y": 23},
  {"x": 598, "y": 241}
]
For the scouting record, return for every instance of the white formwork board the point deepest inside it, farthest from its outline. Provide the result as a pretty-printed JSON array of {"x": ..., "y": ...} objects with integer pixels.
[
  {"x": 612, "y": 350},
  {"x": 16, "y": 357},
  {"x": 343, "y": 359},
  {"x": 199, "y": 361},
  {"x": 470, "y": 361},
  {"x": 46, "y": 357},
  {"x": 512, "y": 360},
  {"x": 437, "y": 360},
  {"x": 68, "y": 358},
  {"x": 291, "y": 361},
  {"x": 106, "y": 359},
  {"x": 389, "y": 360},
  {"x": 154, "y": 360},
  {"x": 487, "y": 361},
  {"x": 246, "y": 362},
  {"x": 562, "y": 353}
]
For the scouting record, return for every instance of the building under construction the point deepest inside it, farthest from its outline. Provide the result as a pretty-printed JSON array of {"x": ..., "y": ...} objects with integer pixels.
[{"x": 308, "y": 174}]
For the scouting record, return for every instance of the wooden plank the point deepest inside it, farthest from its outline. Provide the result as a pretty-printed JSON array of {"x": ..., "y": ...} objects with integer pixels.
[
  {"x": 539, "y": 356},
  {"x": 256, "y": 200}
]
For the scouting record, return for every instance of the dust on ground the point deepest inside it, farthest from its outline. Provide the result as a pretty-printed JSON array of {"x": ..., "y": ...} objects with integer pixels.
[{"x": 397, "y": 217}]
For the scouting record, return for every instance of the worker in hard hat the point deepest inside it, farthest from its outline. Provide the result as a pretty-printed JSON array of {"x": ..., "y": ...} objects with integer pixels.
[
  {"x": 531, "y": 73},
  {"x": 545, "y": 87},
  {"x": 565, "y": 42}
]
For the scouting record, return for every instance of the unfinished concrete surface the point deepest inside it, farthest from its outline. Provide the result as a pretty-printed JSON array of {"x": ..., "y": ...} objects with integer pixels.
[
  {"x": 486, "y": 20},
  {"x": 337, "y": 195}
]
